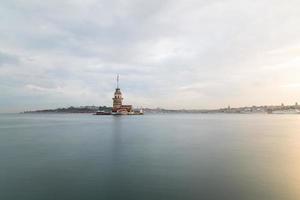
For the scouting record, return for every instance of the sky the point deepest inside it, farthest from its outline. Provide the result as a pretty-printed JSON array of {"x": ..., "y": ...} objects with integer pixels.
[{"x": 169, "y": 53}]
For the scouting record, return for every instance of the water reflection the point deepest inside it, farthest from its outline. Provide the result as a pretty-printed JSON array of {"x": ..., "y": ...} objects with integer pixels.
[{"x": 116, "y": 145}]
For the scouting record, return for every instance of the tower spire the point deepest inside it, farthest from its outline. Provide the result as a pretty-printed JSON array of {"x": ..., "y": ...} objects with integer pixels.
[{"x": 118, "y": 81}]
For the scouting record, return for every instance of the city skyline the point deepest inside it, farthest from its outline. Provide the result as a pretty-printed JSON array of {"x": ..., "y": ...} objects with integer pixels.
[{"x": 170, "y": 54}]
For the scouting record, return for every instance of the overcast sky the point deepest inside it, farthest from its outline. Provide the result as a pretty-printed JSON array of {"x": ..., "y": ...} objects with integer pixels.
[{"x": 171, "y": 54}]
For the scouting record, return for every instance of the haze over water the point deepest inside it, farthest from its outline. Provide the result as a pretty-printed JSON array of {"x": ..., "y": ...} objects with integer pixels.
[{"x": 186, "y": 156}]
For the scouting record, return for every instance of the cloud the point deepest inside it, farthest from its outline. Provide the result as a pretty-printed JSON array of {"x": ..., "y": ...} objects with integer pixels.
[
  {"x": 291, "y": 85},
  {"x": 179, "y": 53},
  {"x": 8, "y": 59},
  {"x": 71, "y": 91}
]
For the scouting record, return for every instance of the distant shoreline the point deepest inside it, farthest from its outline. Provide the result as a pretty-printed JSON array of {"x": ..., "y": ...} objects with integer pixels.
[{"x": 289, "y": 109}]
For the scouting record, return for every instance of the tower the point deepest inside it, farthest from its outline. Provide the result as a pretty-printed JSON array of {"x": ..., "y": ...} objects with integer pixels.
[{"x": 117, "y": 100}]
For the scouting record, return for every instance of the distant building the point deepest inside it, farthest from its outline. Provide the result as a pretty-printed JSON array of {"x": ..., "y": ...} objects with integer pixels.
[{"x": 118, "y": 106}]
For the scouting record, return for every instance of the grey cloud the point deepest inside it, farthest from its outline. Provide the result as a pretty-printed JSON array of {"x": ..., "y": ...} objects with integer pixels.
[{"x": 9, "y": 59}]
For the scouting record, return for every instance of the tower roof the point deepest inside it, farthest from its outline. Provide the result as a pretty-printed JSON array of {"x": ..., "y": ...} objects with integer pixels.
[{"x": 118, "y": 91}]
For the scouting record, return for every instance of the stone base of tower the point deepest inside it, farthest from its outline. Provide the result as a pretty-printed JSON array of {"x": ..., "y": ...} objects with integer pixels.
[{"x": 123, "y": 109}]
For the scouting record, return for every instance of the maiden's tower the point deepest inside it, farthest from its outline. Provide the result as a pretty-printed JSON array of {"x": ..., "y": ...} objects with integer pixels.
[{"x": 118, "y": 107}]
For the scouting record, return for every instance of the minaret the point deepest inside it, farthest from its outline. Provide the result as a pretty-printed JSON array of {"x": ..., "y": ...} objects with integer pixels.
[{"x": 117, "y": 100}]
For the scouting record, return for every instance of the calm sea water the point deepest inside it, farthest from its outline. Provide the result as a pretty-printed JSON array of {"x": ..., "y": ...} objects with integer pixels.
[{"x": 163, "y": 157}]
